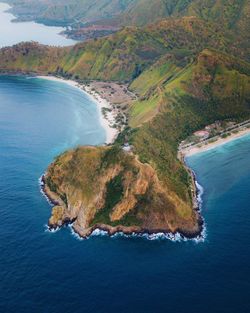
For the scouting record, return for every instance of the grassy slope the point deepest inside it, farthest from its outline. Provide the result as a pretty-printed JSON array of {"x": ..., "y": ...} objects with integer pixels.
[
  {"x": 181, "y": 86},
  {"x": 86, "y": 10},
  {"x": 68, "y": 11},
  {"x": 172, "y": 78},
  {"x": 229, "y": 13},
  {"x": 122, "y": 56},
  {"x": 144, "y": 12},
  {"x": 115, "y": 189},
  {"x": 232, "y": 16},
  {"x": 213, "y": 87}
]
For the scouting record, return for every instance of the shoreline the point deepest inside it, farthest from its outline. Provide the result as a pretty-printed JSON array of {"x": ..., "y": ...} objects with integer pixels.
[
  {"x": 105, "y": 229},
  {"x": 120, "y": 230},
  {"x": 126, "y": 231},
  {"x": 202, "y": 147},
  {"x": 111, "y": 132}
]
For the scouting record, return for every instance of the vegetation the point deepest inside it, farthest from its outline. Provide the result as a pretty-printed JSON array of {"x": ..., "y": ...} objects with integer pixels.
[
  {"x": 113, "y": 197},
  {"x": 67, "y": 12},
  {"x": 215, "y": 87},
  {"x": 123, "y": 56},
  {"x": 187, "y": 73},
  {"x": 229, "y": 17}
]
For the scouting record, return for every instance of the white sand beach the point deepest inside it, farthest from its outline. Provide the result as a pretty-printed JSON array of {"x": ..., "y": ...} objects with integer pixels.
[{"x": 220, "y": 141}]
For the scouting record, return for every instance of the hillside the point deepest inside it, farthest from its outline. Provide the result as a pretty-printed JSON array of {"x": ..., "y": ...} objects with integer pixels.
[
  {"x": 84, "y": 11},
  {"x": 213, "y": 87},
  {"x": 63, "y": 12},
  {"x": 186, "y": 74},
  {"x": 99, "y": 18},
  {"x": 232, "y": 16},
  {"x": 114, "y": 191},
  {"x": 154, "y": 192},
  {"x": 144, "y": 12},
  {"x": 122, "y": 56},
  {"x": 212, "y": 75}
]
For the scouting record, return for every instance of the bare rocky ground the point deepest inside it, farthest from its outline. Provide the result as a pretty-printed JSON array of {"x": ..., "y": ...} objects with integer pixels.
[{"x": 113, "y": 92}]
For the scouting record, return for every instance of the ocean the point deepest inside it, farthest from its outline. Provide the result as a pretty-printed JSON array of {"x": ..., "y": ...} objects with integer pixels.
[{"x": 46, "y": 272}]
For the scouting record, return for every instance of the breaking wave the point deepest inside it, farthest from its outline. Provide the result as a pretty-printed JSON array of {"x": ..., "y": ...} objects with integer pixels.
[{"x": 177, "y": 237}]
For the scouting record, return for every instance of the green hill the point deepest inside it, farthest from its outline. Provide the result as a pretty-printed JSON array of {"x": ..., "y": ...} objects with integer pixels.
[
  {"x": 230, "y": 18},
  {"x": 144, "y": 12},
  {"x": 232, "y": 14},
  {"x": 178, "y": 99},
  {"x": 213, "y": 87},
  {"x": 65, "y": 12},
  {"x": 211, "y": 75},
  {"x": 187, "y": 73},
  {"x": 122, "y": 56}
]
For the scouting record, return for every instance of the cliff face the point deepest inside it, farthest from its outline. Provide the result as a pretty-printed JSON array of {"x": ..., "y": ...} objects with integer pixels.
[{"x": 108, "y": 188}]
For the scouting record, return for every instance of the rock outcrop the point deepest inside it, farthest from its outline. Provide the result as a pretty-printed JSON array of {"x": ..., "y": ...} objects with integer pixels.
[{"x": 107, "y": 188}]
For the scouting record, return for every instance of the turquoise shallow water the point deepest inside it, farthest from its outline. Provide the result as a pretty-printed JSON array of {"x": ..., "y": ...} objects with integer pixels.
[{"x": 55, "y": 272}]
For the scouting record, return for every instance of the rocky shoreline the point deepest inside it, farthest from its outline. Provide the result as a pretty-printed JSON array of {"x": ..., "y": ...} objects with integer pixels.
[
  {"x": 131, "y": 231},
  {"x": 58, "y": 203}
]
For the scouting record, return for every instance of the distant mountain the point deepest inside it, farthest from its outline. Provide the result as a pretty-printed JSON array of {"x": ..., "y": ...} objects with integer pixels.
[
  {"x": 107, "y": 16},
  {"x": 144, "y": 12},
  {"x": 232, "y": 14},
  {"x": 68, "y": 12},
  {"x": 124, "y": 55}
]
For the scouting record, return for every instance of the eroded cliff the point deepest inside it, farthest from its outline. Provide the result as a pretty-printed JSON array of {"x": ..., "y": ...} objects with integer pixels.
[{"x": 107, "y": 188}]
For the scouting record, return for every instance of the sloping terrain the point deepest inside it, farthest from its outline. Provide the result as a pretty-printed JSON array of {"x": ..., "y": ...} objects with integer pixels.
[
  {"x": 115, "y": 189},
  {"x": 213, "y": 87},
  {"x": 122, "y": 56},
  {"x": 64, "y": 12},
  {"x": 187, "y": 72}
]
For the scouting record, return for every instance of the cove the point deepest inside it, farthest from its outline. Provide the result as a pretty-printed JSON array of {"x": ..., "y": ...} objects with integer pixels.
[
  {"x": 54, "y": 272},
  {"x": 12, "y": 33}
]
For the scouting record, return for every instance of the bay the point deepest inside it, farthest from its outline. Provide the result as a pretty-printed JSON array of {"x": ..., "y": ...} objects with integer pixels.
[
  {"x": 12, "y": 33},
  {"x": 56, "y": 272}
]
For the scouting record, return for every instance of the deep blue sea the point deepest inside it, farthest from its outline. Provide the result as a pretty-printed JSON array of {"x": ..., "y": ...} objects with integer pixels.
[{"x": 45, "y": 272}]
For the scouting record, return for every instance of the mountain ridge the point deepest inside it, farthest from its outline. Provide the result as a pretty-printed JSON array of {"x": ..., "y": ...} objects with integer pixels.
[{"x": 230, "y": 16}]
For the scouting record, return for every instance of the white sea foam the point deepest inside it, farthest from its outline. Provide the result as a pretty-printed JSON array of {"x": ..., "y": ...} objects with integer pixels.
[
  {"x": 200, "y": 192},
  {"x": 177, "y": 237},
  {"x": 50, "y": 230},
  {"x": 99, "y": 232},
  {"x": 41, "y": 185}
]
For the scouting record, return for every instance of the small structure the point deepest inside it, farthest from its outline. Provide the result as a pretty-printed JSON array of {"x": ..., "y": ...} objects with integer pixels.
[
  {"x": 203, "y": 134},
  {"x": 127, "y": 147}
]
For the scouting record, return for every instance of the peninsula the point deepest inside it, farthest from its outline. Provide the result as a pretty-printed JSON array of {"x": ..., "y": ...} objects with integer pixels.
[{"x": 182, "y": 74}]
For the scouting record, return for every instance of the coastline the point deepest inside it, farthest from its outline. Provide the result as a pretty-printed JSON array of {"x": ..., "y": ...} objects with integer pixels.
[
  {"x": 111, "y": 133},
  {"x": 126, "y": 231},
  {"x": 199, "y": 148},
  {"x": 100, "y": 229},
  {"x": 105, "y": 121}
]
